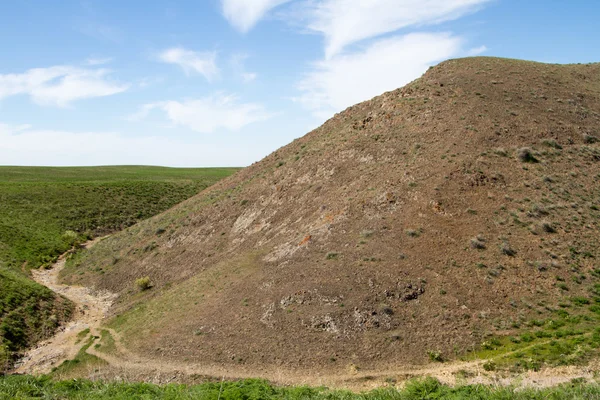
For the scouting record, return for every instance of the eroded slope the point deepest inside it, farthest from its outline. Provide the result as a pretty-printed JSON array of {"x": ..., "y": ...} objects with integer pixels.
[{"x": 420, "y": 222}]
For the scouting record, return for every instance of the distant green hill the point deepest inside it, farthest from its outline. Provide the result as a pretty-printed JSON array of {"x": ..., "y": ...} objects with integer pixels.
[{"x": 44, "y": 211}]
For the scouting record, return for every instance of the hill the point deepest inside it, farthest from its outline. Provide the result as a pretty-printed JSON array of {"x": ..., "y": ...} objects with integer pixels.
[
  {"x": 455, "y": 217},
  {"x": 46, "y": 211}
]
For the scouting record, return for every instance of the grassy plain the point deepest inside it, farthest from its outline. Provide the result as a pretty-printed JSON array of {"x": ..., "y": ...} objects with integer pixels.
[{"x": 44, "y": 210}]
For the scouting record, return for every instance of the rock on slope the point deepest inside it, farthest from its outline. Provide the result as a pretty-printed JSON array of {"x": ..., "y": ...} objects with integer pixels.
[{"x": 423, "y": 219}]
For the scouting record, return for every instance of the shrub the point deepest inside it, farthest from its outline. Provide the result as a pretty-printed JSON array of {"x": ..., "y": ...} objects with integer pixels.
[
  {"x": 580, "y": 301},
  {"x": 331, "y": 255},
  {"x": 143, "y": 283},
  {"x": 70, "y": 237},
  {"x": 489, "y": 366},
  {"x": 507, "y": 250},
  {"x": 589, "y": 139},
  {"x": 477, "y": 243},
  {"x": 525, "y": 154},
  {"x": 547, "y": 227},
  {"x": 551, "y": 143},
  {"x": 413, "y": 232},
  {"x": 435, "y": 356}
]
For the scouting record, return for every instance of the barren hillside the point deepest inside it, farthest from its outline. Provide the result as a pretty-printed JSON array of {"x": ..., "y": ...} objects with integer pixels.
[{"x": 464, "y": 205}]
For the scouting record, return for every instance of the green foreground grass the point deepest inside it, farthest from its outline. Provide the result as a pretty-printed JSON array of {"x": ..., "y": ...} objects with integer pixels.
[
  {"x": 27, "y": 387},
  {"x": 45, "y": 211}
]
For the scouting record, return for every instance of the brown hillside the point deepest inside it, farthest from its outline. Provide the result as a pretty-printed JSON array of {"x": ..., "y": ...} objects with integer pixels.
[{"x": 408, "y": 223}]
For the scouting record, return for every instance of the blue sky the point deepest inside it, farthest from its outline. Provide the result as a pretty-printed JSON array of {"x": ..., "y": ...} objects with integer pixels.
[{"x": 226, "y": 82}]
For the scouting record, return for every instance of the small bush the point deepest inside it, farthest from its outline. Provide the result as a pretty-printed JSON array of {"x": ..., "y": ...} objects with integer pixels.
[
  {"x": 525, "y": 154},
  {"x": 413, "y": 232},
  {"x": 331, "y": 255},
  {"x": 477, "y": 243},
  {"x": 551, "y": 143},
  {"x": 507, "y": 250},
  {"x": 590, "y": 139},
  {"x": 489, "y": 366},
  {"x": 548, "y": 227},
  {"x": 143, "y": 283},
  {"x": 580, "y": 301},
  {"x": 435, "y": 356},
  {"x": 70, "y": 237}
]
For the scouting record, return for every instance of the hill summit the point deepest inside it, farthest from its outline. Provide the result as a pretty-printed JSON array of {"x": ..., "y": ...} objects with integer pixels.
[{"x": 410, "y": 227}]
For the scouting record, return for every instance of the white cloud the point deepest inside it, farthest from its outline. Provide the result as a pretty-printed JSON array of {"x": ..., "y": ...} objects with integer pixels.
[
  {"x": 25, "y": 145},
  {"x": 244, "y": 14},
  {"x": 344, "y": 22},
  {"x": 387, "y": 64},
  {"x": 203, "y": 63},
  {"x": 476, "y": 51},
  {"x": 60, "y": 85},
  {"x": 209, "y": 114}
]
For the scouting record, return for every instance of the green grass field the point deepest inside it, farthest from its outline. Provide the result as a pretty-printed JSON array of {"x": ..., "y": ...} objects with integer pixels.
[
  {"x": 26, "y": 387},
  {"x": 45, "y": 211}
]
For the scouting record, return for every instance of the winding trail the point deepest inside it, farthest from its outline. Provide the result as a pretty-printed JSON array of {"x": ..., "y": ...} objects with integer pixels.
[
  {"x": 93, "y": 307},
  {"x": 90, "y": 310}
]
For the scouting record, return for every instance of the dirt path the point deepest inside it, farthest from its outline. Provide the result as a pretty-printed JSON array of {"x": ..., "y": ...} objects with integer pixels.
[
  {"x": 125, "y": 364},
  {"x": 90, "y": 310}
]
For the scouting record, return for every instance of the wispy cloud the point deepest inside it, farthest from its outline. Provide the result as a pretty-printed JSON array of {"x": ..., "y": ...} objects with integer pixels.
[
  {"x": 387, "y": 64},
  {"x": 343, "y": 22},
  {"x": 203, "y": 63},
  {"x": 60, "y": 85},
  {"x": 244, "y": 14},
  {"x": 238, "y": 64},
  {"x": 475, "y": 51},
  {"x": 208, "y": 114}
]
